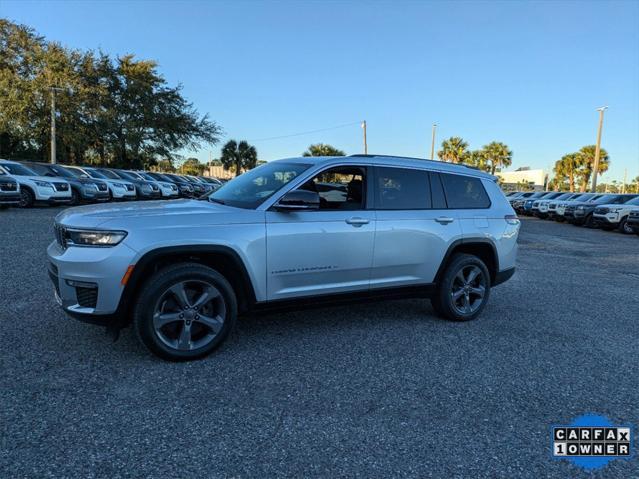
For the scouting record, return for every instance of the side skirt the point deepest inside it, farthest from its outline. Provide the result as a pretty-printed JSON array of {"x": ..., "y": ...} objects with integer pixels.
[{"x": 336, "y": 299}]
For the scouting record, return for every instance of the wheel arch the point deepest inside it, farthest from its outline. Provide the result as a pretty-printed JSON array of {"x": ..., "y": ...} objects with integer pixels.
[
  {"x": 223, "y": 259},
  {"x": 483, "y": 248}
]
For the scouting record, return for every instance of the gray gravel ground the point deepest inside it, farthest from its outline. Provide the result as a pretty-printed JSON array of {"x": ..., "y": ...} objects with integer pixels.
[{"x": 376, "y": 390}]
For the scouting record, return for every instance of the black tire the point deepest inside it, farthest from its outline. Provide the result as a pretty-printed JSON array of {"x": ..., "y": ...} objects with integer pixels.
[
  {"x": 624, "y": 228},
  {"x": 26, "y": 198},
  {"x": 589, "y": 222},
  {"x": 3, "y": 207},
  {"x": 443, "y": 302},
  {"x": 156, "y": 288},
  {"x": 75, "y": 197}
]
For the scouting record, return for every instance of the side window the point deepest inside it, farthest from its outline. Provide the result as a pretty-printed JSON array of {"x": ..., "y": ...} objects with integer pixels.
[
  {"x": 402, "y": 189},
  {"x": 340, "y": 188},
  {"x": 464, "y": 192},
  {"x": 437, "y": 192}
]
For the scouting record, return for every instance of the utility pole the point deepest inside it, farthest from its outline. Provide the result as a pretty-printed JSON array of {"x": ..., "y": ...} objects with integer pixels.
[
  {"x": 595, "y": 169},
  {"x": 432, "y": 143},
  {"x": 365, "y": 143},
  {"x": 53, "y": 145}
]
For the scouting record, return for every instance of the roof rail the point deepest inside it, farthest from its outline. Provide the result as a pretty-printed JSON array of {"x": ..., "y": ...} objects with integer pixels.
[{"x": 415, "y": 158}]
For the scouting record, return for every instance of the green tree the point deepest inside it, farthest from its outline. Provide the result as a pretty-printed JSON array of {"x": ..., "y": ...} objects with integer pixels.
[
  {"x": 454, "y": 150},
  {"x": 321, "y": 149},
  {"x": 119, "y": 112},
  {"x": 240, "y": 155},
  {"x": 568, "y": 168},
  {"x": 476, "y": 159},
  {"x": 192, "y": 166},
  {"x": 497, "y": 155},
  {"x": 586, "y": 162}
]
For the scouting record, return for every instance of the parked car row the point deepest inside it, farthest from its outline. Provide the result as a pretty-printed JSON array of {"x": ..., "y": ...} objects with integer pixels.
[
  {"x": 609, "y": 211},
  {"x": 25, "y": 183}
]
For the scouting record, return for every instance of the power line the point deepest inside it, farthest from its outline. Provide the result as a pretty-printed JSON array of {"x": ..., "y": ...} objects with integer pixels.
[{"x": 306, "y": 132}]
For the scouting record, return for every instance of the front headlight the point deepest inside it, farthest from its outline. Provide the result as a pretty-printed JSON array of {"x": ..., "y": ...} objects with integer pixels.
[
  {"x": 43, "y": 184},
  {"x": 615, "y": 210},
  {"x": 94, "y": 237}
]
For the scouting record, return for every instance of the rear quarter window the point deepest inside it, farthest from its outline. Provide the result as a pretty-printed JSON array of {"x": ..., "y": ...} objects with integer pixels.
[{"x": 464, "y": 192}]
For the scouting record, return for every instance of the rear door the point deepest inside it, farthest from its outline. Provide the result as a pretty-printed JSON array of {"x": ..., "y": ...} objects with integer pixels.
[{"x": 414, "y": 227}]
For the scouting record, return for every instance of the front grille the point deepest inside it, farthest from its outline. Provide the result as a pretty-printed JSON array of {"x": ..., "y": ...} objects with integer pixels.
[
  {"x": 87, "y": 297},
  {"x": 61, "y": 186},
  {"x": 601, "y": 211},
  {"x": 130, "y": 187},
  {"x": 536, "y": 203},
  {"x": 155, "y": 187},
  {"x": 8, "y": 186},
  {"x": 102, "y": 187},
  {"x": 60, "y": 235}
]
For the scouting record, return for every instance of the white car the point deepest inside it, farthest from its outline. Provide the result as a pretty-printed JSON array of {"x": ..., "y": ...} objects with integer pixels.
[
  {"x": 168, "y": 190},
  {"x": 119, "y": 189},
  {"x": 35, "y": 188},
  {"x": 561, "y": 206},
  {"x": 609, "y": 217}
]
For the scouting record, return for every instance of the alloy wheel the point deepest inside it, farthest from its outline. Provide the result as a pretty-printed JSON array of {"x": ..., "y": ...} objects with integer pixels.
[
  {"x": 189, "y": 315},
  {"x": 468, "y": 289}
]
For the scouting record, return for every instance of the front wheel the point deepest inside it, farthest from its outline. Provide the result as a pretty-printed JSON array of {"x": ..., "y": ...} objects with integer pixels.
[
  {"x": 464, "y": 289},
  {"x": 185, "y": 311},
  {"x": 26, "y": 198},
  {"x": 625, "y": 228}
]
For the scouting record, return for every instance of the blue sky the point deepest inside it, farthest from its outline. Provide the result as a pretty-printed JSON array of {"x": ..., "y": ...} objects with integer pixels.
[{"x": 529, "y": 74}]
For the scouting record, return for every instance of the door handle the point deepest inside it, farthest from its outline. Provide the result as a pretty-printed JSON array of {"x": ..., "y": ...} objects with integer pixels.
[
  {"x": 444, "y": 220},
  {"x": 357, "y": 222}
]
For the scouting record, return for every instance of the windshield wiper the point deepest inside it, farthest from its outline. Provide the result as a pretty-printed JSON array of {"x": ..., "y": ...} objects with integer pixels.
[{"x": 215, "y": 200}]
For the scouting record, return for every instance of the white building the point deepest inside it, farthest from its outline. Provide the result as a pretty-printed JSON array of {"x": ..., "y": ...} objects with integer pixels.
[{"x": 538, "y": 179}]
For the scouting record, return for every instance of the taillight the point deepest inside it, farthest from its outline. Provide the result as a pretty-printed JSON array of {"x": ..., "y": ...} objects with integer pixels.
[{"x": 511, "y": 219}]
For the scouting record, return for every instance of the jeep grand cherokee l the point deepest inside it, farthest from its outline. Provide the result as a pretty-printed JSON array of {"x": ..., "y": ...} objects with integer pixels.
[{"x": 290, "y": 232}]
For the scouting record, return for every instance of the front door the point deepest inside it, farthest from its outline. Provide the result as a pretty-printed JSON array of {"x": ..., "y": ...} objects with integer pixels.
[{"x": 329, "y": 250}]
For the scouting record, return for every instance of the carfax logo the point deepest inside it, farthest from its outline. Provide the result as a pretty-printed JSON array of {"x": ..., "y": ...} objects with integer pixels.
[{"x": 592, "y": 441}]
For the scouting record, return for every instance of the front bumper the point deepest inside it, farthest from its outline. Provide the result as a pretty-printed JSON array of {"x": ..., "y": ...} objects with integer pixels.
[
  {"x": 9, "y": 198},
  {"x": 609, "y": 219},
  {"x": 73, "y": 269}
]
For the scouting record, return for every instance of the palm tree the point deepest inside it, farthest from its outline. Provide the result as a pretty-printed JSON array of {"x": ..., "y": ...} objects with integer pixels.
[
  {"x": 568, "y": 167},
  {"x": 497, "y": 156},
  {"x": 240, "y": 155},
  {"x": 454, "y": 150},
  {"x": 321, "y": 149},
  {"x": 476, "y": 158},
  {"x": 586, "y": 164}
]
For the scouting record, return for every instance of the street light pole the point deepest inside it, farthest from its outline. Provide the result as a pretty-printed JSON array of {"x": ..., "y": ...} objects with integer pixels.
[
  {"x": 432, "y": 143},
  {"x": 595, "y": 171},
  {"x": 365, "y": 142}
]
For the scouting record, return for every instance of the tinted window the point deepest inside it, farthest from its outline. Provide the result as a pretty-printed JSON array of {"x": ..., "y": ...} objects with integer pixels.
[
  {"x": 437, "y": 192},
  {"x": 464, "y": 192},
  {"x": 402, "y": 189}
]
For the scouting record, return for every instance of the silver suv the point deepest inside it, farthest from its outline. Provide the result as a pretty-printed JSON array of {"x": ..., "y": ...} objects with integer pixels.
[{"x": 290, "y": 232}]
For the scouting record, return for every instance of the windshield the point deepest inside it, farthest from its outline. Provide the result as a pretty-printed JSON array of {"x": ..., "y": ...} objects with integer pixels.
[
  {"x": 565, "y": 196},
  {"x": 110, "y": 174},
  {"x": 60, "y": 171},
  {"x": 144, "y": 176},
  {"x": 634, "y": 201},
  {"x": 253, "y": 187},
  {"x": 603, "y": 199},
  {"x": 128, "y": 175},
  {"x": 96, "y": 174},
  {"x": 176, "y": 178},
  {"x": 19, "y": 170},
  {"x": 75, "y": 172}
]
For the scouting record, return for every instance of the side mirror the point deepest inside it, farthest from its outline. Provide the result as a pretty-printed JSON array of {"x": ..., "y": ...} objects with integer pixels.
[{"x": 298, "y": 200}]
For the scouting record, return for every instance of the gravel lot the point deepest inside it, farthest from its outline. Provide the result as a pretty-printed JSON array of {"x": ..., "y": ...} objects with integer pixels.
[{"x": 376, "y": 390}]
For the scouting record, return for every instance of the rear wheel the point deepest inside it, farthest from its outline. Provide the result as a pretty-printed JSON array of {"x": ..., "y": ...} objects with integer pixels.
[
  {"x": 185, "y": 311},
  {"x": 26, "y": 198},
  {"x": 463, "y": 290},
  {"x": 589, "y": 223}
]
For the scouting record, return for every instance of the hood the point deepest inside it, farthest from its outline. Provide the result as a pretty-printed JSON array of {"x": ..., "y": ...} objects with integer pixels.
[
  {"x": 48, "y": 179},
  {"x": 152, "y": 214},
  {"x": 111, "y": 181}
]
